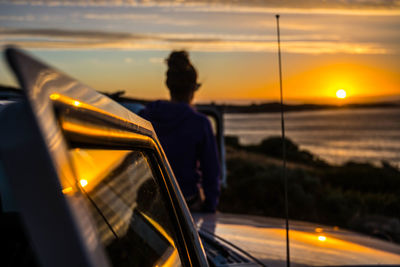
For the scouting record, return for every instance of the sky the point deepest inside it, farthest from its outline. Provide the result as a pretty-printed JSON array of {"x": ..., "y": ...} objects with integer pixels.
[{"x": 121, "y": 45}]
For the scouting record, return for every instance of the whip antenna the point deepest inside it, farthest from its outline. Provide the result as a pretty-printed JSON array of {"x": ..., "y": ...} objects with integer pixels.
[{"x": 283, "y": 147}]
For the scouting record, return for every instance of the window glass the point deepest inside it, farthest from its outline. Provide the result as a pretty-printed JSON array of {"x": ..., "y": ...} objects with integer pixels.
[
  {"x": 17, "y": 249},
  {"x": 214, "y": 124},
  {"x": 126, "y": 203}
]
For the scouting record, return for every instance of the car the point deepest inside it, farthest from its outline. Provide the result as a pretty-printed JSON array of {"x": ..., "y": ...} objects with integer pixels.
[{"x": 85, "y": 182}]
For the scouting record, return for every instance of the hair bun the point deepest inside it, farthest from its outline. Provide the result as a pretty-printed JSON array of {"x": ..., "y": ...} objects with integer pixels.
[
  {"x": 179, "y": 61},
  {"x": 181, "y": 75}
]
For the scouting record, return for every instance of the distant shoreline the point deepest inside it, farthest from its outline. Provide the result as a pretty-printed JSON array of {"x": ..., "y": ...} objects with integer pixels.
[
  {"x": 276, "y": 107},
  {"x": 268, "y": 107}
]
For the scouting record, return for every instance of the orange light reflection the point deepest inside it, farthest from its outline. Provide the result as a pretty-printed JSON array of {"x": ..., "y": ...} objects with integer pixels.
[
  {"x": 94, "y": 164},
  {"x": 83, "y": 182},
  {"x": 67, "y": 190},
  {"x": 306, "y": 248},
  {"x": 54, "y": 96}
]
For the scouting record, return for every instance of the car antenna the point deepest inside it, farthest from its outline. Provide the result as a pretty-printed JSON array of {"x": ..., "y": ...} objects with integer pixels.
[{"x": 283, "y": 146}]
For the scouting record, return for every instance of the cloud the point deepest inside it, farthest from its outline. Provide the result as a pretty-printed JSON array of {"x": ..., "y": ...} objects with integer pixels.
[
  {"x": 69, "y": 34},
  {"x": 65, "y": 39},
  {"x": 128, "y": 60},
  {"x": 156, "y": 60},
  {"x": 119, "y": 16},
  {"x": 17, "y": 18},
  {"x": 350, "y": 7},
  {"x": 353, "y": 7},
  {"x": 153, "y": 18},
  {"x": 34, "y": 18}
]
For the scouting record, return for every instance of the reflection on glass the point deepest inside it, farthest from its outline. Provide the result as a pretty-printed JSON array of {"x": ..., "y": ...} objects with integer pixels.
[
  {"x": 67, "y": 190},
  {"x": 318, "y": 230},
  {"x": 83, "y": 182},
  {"x": 213, "y": 123},
  {"x": 126, "y": 203},
  {"x": 54, "y": 96}
]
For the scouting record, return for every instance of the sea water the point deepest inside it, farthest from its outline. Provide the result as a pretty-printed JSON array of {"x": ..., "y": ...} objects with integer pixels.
[{"x": 337, "y": 136}]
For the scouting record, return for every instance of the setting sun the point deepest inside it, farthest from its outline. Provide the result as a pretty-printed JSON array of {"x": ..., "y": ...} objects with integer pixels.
[{"x": 341, "y": 93}]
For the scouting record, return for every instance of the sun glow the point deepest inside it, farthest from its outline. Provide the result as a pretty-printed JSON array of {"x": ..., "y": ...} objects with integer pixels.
[{"x": 341, "y": 93}]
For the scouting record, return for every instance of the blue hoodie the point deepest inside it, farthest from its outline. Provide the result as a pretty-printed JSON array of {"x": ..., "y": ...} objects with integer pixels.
[{"x": 190, "y": 146}]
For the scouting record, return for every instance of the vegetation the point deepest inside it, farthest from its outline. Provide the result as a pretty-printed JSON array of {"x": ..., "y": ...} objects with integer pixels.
[{"x": 357, "y": 196}]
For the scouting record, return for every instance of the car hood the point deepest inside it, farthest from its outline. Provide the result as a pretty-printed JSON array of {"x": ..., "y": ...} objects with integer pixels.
[{"x": 310, "y": 244}]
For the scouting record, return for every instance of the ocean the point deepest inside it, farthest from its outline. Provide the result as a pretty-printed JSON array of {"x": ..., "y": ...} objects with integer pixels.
[{"x": 337, "y": 136}]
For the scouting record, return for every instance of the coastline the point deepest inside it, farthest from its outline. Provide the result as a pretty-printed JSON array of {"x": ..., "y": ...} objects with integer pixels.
[{"x": 276, "y": 107}]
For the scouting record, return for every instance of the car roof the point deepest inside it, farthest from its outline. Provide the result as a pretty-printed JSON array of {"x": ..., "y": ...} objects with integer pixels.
[
  {"x": 40, "y": 82},
  {"x": 312, "y": 244}
]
